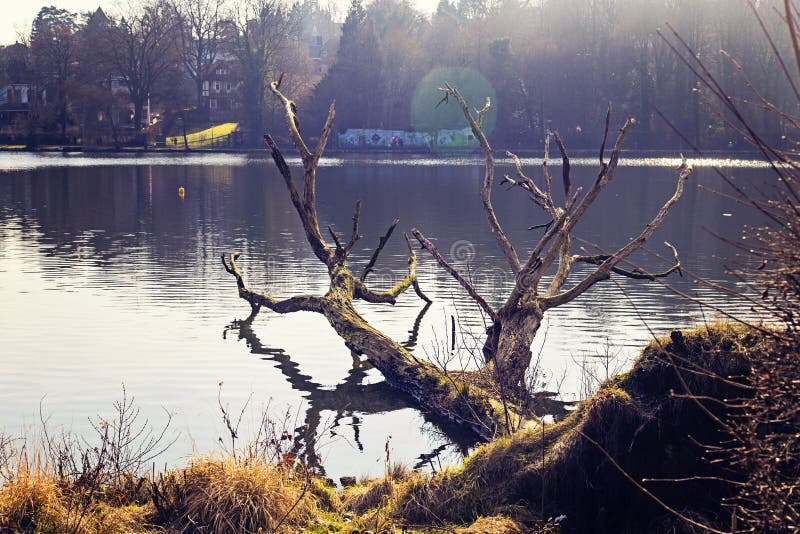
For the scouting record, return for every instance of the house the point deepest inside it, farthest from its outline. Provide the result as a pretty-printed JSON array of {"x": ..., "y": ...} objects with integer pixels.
[
  {"x": 320, "y": 34},
  {"x": 17, "y": 93},
  {"x": 14, "y": 102},
  {"x": 221, "y": 90}
]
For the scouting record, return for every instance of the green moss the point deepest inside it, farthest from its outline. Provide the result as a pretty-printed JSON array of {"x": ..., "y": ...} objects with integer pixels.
[
  {"x": 326, "y": 495},
  {"x": 555, "y": 458},
  {"x": 614, "y": 392},
  {"x": 328, "y": 522}
]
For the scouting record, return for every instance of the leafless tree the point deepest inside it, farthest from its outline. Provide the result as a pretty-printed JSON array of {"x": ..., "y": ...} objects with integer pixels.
[
  {"x": 200, "y": 27},
  {"x": 54, "y": 47},
  {"x": 476, "y": 403},
  {"x": 507, "y": 349},
  {"x": 141, "y": 46},
  {"x": 264, "y": 31},
  {"x": 439, "y": 394}
]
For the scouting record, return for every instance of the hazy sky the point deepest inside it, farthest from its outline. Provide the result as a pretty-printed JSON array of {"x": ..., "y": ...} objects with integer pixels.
[{"x": 17, "y": 15}]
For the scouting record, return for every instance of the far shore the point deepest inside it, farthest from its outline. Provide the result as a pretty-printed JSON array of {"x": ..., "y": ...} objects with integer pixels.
[{"x": 345, "y": 152}]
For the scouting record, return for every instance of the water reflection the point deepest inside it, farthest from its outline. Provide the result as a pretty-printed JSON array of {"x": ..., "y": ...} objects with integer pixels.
[
  {"x": 347, "y": 399},
  {"x": 126, "y": 277}
]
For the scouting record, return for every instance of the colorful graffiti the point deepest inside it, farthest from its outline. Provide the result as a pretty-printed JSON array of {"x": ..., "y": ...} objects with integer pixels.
[
  {"x": 390, "y": 139},
  {"x": 370, "y": 138},
  {"x": 463, "y": 138}
]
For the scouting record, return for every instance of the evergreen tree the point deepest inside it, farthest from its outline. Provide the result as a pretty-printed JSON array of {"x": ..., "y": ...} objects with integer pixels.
[{"x": 355, "y": 80}]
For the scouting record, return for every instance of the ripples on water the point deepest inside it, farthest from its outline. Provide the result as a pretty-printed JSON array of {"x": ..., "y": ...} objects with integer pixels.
[{"x": 106, "y": 276}]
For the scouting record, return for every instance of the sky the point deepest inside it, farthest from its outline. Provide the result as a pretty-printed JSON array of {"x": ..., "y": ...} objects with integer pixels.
[{"x": 17, "y": 15}]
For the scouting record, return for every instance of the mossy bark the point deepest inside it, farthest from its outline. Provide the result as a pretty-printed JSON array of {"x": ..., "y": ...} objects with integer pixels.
[
  {"x": 508, "y": 348},
  {"x": 437, "y": 392},
  {"x": 656, "y": 424}
]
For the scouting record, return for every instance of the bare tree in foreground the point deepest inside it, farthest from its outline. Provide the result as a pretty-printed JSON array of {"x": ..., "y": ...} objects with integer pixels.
[
  {"x": 402, "y": 370},
  {"x": 507, "y": 349},
  {"x": 478, "y": 404}
]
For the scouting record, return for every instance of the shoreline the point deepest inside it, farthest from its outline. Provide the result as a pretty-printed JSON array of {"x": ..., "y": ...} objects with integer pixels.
[{"x": 343, "y": 152}]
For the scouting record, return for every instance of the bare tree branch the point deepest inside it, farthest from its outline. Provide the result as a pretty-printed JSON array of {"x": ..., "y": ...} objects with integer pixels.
[
  {"x": 605, "y": 139},
  {"x": 308, "y": 215},
  {"x": 256, "y": 300},
  {"x": 292, "y": 124},
  {"x": 539, "y": 197},
  {"x": 326, "y": 132},
  {"x": 336, "y": 240},
  {"x": 390, "y": 296},
  {"x": 565, "y": 165},
  {"x": 636, "y": 274},
  {"x": 381, "y": 243},
  {"x": 604, "y": 270},
  {"x": 488, "y": 180},
  {"x": 548, "y": 181},
  {"x": 354, "y": 237},
  {"x": 431, "y": 248}
]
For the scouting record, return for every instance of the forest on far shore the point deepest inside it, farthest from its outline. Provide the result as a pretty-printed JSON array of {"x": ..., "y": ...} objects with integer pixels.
[{"x": 548, "y": 65}]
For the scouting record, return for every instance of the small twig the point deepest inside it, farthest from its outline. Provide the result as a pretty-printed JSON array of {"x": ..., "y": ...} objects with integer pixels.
[
  {"x": 381, "y": 243},
  {"x": 645, "y": 490}
]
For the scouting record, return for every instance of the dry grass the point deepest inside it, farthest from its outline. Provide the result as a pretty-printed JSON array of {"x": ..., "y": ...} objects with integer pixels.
[
  {"x": 235, "y": 495},
  {"x": 33, "y": 501},
  {"x": 130, "y": 519},
  {"x": 370, "y": 494},
  {"x": 364, "y": 497},
  {"x": 492, "y": 525}
]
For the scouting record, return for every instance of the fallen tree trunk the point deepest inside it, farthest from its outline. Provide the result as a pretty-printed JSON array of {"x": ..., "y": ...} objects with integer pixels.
[
  {"x": 433, "y": 389},
  {"x": 436, "y": 391}
]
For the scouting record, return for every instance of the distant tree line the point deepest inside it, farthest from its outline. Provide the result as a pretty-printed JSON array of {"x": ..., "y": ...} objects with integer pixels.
[
  {"x": 549, "y": 64},
  {"x": 155, "y": 58},
  {"x": 555, "y": 64}
]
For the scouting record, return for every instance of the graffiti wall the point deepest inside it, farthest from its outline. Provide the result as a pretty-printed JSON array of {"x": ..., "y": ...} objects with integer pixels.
[
  {"x": 389, "y": 139},
  {"x": 369, "y": 138},
  {"x": 463, "y": 138}
]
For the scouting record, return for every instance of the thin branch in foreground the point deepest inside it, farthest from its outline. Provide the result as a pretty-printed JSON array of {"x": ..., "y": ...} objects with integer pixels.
[
  {"x": 644, "y": 490},
  {"x": 381, "y": 243},
  {"x": 434, "y": 251}
]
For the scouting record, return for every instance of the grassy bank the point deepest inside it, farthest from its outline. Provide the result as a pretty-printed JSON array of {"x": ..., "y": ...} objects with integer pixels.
[{"x": 640, "y": 439}]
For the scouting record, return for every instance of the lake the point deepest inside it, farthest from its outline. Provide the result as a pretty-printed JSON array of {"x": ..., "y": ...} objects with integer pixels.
[{"x": 108, "y": 277}]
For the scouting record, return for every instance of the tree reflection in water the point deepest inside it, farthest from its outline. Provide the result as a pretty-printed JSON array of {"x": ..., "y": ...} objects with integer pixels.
[{"x": 348, "y": 399}]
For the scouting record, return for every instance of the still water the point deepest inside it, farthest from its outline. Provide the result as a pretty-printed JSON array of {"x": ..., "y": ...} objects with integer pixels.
[{"x": 108, "y": 277}]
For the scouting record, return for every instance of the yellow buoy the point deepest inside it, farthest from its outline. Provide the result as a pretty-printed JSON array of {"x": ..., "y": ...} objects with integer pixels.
[{"x": 181, "y": 191}]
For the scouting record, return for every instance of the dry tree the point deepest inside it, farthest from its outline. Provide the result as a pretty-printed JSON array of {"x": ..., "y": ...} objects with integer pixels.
[
  {"x": 507, "y": 348},
  {"x": 459, "y": 402},
  {"x": 763, "y": 447},
  {"x": 489, "y": 404}
]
